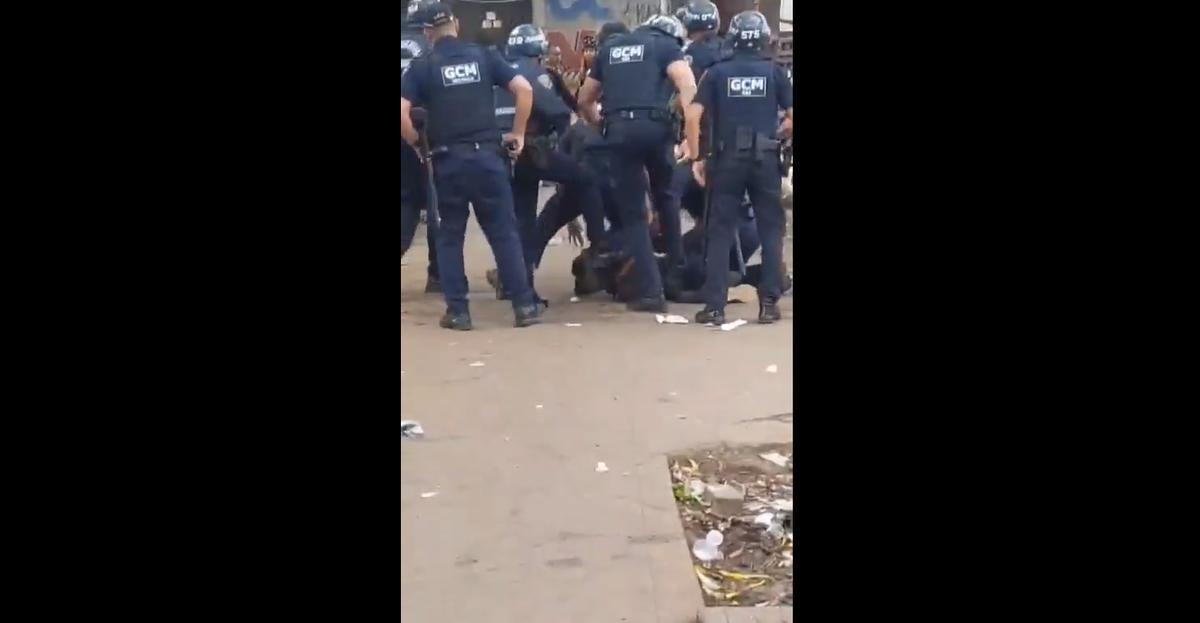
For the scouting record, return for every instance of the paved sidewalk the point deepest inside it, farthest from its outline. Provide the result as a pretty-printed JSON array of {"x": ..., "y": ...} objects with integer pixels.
[{"x": 523, "y": 529}]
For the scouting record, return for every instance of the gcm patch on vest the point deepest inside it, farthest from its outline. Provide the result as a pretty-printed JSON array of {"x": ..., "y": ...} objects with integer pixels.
[
  {"x": 626, "y": 54},
  {"x": 463, "y": 73},
  {"x": 748, "y": 87}
]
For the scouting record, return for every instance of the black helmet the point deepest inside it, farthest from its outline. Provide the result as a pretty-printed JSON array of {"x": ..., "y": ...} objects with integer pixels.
[
  {"x": 417, "y": 14},
  {"x": 749, "y": 30},
  {"x": 699, "y": 16},
  {"x": 668, "y": 25},
  {"x": 527, "y": 40}
]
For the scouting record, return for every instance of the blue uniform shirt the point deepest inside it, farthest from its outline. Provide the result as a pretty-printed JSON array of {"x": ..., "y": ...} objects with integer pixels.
[
  {"x": 643, "y": 57},
  {"x": 729, "y": 95},
  {"x": 468, "y": 118},
  {"x": 415, "y": 87}
]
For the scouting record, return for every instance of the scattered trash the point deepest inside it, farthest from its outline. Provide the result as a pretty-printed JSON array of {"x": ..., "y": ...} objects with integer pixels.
[
  {"x": 624, "y": 473},
  {"x": 730, "y": 326},
  {"x": 772, "y": 369},
  {"x": 708, "y": 548},
  {"x": 726, "y": 499},
  {"x": 404, "y": 261},
  {"x": 411, "y": 429},
  {"x": 574, "y": 324},
  {"x": 670, "y": 319},
  {"x": 601, "y": 467},
  {"x": 537, "y": 406},
  {"x": 753, "y": 564},
  {"x": 775, "y": 458},
  {"x": 429, "y": 494},
  {"x": 574, "y": 299},
  {"x": 681, "y": 416},
  {"x": 477, "y": 364},
  {"x": 673, "y": 394}
]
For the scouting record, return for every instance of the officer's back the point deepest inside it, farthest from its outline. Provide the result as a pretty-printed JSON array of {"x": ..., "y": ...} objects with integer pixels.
[{"x": 454, "y": 82}]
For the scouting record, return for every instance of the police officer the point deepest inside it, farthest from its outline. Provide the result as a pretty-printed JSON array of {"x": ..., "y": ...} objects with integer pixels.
[
  {"x": 633, "y": 79},
  {"x": 413, "y": 195},
  {"x": 541, "y": 160},
  {"x": 454, "y": 83},
  {"x": 702, "y": 20},
  {"x": 743, "y": 95}
]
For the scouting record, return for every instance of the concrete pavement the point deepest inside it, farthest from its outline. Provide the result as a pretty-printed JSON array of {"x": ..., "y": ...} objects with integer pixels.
[{"x": 522, "y": 528}]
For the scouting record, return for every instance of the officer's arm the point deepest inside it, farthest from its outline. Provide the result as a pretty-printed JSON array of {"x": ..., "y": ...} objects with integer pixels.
[
  {"x": 523, "y": 92},
  {"x": 692, "y": 116},
  {"x": 589, "y": 96},
  {"x": 685, "y": 82},
  {"x": 406, "y": 125}
]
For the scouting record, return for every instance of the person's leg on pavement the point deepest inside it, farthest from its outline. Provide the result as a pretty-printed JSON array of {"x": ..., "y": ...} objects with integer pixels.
[
  {"x": 661, "y": 171},
  {"x": 525, "y": 189},
  {"x": 450, "y": 171},
  {"x": 558, "y": 211},
  {"x": 628, "y": 165},
  {"x": 768, "y": 212},
  {"x": 727, "y": 185},
  {"x": 494, "y": 210},
  {"x": 583, "y": 188}
]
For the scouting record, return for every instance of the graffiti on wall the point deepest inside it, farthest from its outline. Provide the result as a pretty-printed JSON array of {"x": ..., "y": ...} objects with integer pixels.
[{"x": 570, "y": 24}]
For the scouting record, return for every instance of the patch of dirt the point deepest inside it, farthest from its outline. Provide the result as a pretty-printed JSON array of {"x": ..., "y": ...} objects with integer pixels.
[{"x": 755, "y": 563}]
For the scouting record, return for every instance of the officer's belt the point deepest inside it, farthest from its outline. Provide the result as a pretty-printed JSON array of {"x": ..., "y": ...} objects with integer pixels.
[
  {"x": 464, "y": 146},
  {"x": 652, "y": 114},
  {"x": 762, "y": 144}
]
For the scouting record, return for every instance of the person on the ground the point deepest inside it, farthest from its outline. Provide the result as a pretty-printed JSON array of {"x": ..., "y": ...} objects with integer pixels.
[
  {"x": 632, "y": 81},
  {"x": 454, "y": 83},
  {"x": 743, "y": 95}
]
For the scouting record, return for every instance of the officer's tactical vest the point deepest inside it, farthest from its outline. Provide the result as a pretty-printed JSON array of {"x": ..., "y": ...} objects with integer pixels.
[
  {"x": 745, "y": 95},
  {"x": 460, "y": 97},
  {"x": 552, "y": 114},
  {"x": 632, "y": 76}
]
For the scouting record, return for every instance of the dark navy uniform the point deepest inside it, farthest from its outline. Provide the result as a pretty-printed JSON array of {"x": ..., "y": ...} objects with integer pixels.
[
  {"x": 413, "y": 195},
  {"x": 743, "y": 97},
  {"x": 541, "y": 161},
  {"x": 454, "y": 83},
  {"x": 637, "y": 130}
]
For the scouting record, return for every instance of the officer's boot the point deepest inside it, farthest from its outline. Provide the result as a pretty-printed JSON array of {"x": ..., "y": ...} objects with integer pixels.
[
  {"x": 493, "y": 279},
  {"x": 768, "y": 312},
  {"x": 527, "y": 315},
  {"x": 456, "y": 321},
  {"x": 657, "y": 304},
  {"x": 710, "y": 316}
]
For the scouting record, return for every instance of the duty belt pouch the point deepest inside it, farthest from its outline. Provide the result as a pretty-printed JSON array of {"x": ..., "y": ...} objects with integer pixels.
[{"x": 744, "y": 143}]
